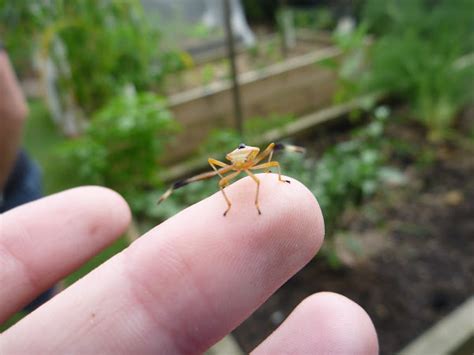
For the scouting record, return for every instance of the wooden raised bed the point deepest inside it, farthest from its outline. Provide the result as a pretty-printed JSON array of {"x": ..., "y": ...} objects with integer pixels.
[{"x": 295, "y": 86}]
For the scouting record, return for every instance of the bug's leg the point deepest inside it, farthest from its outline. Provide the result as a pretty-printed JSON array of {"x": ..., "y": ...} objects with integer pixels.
[
  {"x": 268, "y": 151},
  {"x": 213, "y": 162},
  {"x": 269, "y": 165},
  {"x": 199, "y": 177},
  {"x": 229, "y": 204},
  {"x": 258, "y": 189},
  {"x": 222, "y": 184},
  {"x": 267, "y": 170}
]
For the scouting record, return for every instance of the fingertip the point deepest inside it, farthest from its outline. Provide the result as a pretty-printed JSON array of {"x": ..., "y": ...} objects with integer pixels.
[
  {"x": 288, "y": 207},
  {"x": 107, "y": 209},
  {"x": 305, "y": 208},
  {"x": 326, "y": 323},
  {"x": 350, "y": 325},
  {"x": 341, "y": 317}
]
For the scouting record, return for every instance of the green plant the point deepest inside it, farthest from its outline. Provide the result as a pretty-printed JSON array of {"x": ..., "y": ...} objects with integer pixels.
[
  {"x": 417, "y": 57},
  {"x": 345, "y": 175},
  {"x": 122, "y": 145},
  {"x": 115, "y": 33},
  {"x": 208, "y": 74},
  {"x": 426, "y": 77},
  {"x": 271, "y": 50},
  {"x": 350, "y": 71},
  {"x": 20, "y": 22},
  {"x": 313, "y": 19},
  {"x": 201, "y": 31},
  {"x": 98, "y": 47}
]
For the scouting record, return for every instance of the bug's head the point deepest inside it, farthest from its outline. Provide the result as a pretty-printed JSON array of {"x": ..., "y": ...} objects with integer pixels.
[{"x": 242, "y": 154}]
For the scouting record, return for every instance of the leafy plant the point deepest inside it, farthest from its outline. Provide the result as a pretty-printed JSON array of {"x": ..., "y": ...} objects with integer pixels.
[
  {"x": 99, "y": 47},
  {"x": 261, "y": 54},
  {"x": 20, "y": 22},
  {"x": 208, "y": 74},
  {"x": 313, "y": 19},
  {"x": 351, "y": 70},
  {"x": 417, "y": 53},
  {"x": 122, "y": 145},
  {"x": 119, "y": 39},
  {"x": 345, "y": 175},
  {"x": 427, "y": 78}
]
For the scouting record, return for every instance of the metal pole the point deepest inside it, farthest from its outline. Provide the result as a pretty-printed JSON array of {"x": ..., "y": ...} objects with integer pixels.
[
  {"x": 239, "y": 117},
  {"x": 281, "y": 21}
]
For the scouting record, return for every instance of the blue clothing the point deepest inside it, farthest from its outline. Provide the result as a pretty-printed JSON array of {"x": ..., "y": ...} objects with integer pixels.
[{"x": 24, "y": 185}]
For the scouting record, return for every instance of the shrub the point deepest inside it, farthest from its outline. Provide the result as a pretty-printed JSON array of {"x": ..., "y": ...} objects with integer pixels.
[
  {"x": 346, "y": 173},
  {"x": 98, "y": 47},
  {"x": 121, "y": 146},
  {"x": 417, "y": 53}
]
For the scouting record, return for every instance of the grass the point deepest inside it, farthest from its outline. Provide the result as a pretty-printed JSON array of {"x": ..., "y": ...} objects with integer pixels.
[{"x": 42, "y": 141}]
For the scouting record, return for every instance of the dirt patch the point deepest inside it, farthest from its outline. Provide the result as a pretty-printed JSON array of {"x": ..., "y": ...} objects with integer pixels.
[{"x": 423, "y": 270}]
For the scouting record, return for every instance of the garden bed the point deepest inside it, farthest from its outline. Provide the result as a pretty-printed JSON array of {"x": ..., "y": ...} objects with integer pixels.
[
  {"x": 418, "y": 251},
  {"x": 297, "y": 85},
  {"x": 266, "y": 52}
]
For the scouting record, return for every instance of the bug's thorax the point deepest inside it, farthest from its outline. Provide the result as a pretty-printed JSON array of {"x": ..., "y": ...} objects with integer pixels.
[{"x": 242, "y": 156}]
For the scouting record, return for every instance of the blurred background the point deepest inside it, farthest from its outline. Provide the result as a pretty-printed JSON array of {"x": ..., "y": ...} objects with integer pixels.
[{"x": 135, "y": 94}]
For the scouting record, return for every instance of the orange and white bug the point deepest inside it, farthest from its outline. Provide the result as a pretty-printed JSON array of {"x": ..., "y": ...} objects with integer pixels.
[{"x": 243, "y": 159}]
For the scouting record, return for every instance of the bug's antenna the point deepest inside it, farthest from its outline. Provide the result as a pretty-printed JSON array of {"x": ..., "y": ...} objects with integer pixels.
[{"x": 289, "y": 148}]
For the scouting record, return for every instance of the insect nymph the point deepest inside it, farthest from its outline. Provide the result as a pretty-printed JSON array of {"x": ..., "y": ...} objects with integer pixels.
[{"x": 243, "y": 159}]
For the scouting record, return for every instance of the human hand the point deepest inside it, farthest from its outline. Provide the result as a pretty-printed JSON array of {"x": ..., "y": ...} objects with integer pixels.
[{"x": 179, "y": 288}]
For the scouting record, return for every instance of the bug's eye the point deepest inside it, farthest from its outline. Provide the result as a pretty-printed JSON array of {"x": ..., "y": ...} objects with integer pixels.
[{"x": 241, "y": 146}]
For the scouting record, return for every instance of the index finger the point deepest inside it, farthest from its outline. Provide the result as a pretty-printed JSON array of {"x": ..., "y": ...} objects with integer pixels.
[
  {"x": 186, "y": 283},
  {"x": 43, "y": 241}
]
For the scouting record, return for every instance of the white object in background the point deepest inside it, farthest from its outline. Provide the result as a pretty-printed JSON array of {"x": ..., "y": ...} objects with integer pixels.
[
  {"x": 172, "y": 13},
  {"x": 289, "y": 33},
  {"x": 345, "y": 25},
  {"x": 213, "y": 18},
  {"x": 60, "y": 101}
]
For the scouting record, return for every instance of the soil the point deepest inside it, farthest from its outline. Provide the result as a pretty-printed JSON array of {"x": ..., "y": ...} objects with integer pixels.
[{"x": 420, "y": 268}]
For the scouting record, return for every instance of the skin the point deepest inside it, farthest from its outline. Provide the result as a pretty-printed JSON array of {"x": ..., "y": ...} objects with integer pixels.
[
  {"x": 13, "y": 112},
  {"x": 180, "y": 287}
]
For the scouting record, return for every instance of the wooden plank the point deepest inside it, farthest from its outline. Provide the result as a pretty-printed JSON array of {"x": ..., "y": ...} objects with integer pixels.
[{"x": 454, "y": 334}]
